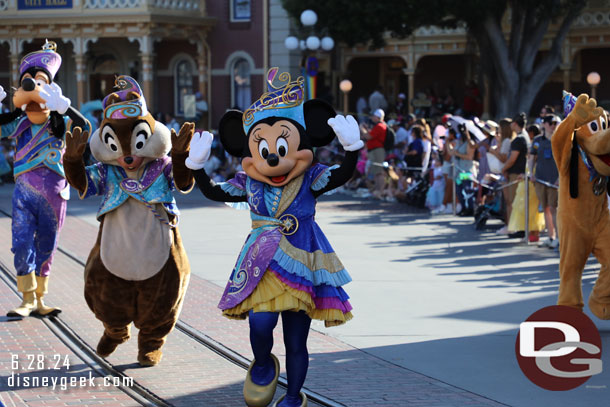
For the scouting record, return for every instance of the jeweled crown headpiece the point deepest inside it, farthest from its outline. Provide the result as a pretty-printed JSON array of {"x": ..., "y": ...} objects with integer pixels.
[
  {"x": 126, "y": 108},
  {"x": 569, "y": 101},
  {"x": 283, "y": 101},
  {"x": 46, "y": 58}
]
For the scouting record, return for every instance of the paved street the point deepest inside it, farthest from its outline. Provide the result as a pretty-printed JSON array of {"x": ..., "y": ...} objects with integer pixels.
[{"x": 433, "y": 299}]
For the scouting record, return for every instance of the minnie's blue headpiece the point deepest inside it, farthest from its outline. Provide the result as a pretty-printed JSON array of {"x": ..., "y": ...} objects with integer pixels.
[{"x": 284, "y": 101}]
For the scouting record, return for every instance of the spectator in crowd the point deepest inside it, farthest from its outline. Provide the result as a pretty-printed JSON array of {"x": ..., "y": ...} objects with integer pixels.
[
  {"x": 171, "y": 122},
  {"x": 448, "y": 170},
  {"x": 440, "y": 131},
  {"x": 501, "y": 150},
  {"x": 489, "y": 128},
  {"x": 545, "y": 111},
  {"x": 415, "y": 150},
  {"x": 533, "y": 131},
  {"x": 377, "y": 101},
  {"x": 426, "y": 143},
  {"x": 401, "y": 106},
  {"x": 464, "y": 161},
  {"x": 514, "y": 167},
  {"x": 435, "y": 195},
  {"x": 375, "y": 138},
  {"x": 546, "y": 177},
  {"x": 401, "y": 139},
  {"x": 362, "y": 108}
]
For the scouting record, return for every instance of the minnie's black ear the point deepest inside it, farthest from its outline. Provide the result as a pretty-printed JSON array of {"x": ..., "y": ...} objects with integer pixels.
[
  {"x": 317, "y": 112},
  {"x": 231, "y": 132}
]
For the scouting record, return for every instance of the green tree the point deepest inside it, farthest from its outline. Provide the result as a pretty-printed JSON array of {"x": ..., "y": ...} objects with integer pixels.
[{"x": 510, "y": 56}]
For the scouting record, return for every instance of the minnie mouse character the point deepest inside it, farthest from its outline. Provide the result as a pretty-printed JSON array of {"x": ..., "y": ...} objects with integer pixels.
[{"x": 286, "y": 265}]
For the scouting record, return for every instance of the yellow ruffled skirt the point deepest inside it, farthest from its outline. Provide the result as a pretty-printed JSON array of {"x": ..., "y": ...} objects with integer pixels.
[
  {"x": 516, "y": 222},
  {"x": 273, "y": 295}
]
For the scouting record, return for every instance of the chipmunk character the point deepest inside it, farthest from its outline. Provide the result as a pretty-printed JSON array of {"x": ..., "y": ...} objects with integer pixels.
[
  {"x": 138, "y": 270},
  {"x": 41, "y": 192},
  {"x": 286, "y": 265},
  {"x": 581, "y": 147}
]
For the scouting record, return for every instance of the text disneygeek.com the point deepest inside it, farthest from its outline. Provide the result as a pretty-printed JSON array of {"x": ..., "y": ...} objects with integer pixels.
[{"x": 28, "y": 370}]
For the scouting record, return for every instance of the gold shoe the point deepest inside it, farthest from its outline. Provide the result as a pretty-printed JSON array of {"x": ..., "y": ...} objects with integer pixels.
[
  {"x": 260, "y": 396},
  {"x": 25, "y": 284},
  {"x": 303, "y": 400},
  {"x": 41, "y": 289},
  {"x": 27, "y": 306}
]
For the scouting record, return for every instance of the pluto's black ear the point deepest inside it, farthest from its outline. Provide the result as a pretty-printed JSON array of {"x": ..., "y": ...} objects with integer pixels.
[
  {"x": 317, "y": 112},
  {"x": 574, "y": 169},
  {"x": 231, "y": 131}
]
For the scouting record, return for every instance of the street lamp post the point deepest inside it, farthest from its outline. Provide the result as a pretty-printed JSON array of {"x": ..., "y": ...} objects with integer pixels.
[
  {"x": 346, "y": 86},
  {"x": 593, "y": 80},
  {"x": 312, "y": 43}
]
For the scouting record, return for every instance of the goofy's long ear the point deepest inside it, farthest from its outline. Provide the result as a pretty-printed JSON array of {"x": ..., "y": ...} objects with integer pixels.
[
  {"x": 231, "y": 132},
  {"x": 317, "y": 113}
]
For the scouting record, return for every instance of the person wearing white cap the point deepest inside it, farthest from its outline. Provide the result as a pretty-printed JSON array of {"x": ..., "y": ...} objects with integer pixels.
[{"x": 375, "y": 137}]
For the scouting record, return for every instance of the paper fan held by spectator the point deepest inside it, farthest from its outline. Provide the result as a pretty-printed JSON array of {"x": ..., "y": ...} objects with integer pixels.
[
  {"x": 286, "y": 266},
  {"x": 41, "y": 192},
  {"x": 138, "y": 253},
  {"x": 580, "y": 147}
]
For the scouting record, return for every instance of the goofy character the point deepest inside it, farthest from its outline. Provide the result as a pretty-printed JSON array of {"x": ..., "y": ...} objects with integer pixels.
[
  {"x": 286, "y": 266},
  {"x": 38, "y": 125}
]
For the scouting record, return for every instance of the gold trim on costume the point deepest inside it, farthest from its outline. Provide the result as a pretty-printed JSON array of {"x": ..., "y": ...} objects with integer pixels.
[
  {"x": 292, "y": 95},
  {"x": 313, "y": 260}
]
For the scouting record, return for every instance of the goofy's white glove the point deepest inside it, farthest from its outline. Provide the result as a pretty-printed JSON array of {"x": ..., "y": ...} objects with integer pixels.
[
  {"x": 2, "y": 94},
  {"x": 347, "y": 131},
  {"x": 201, "y": 145},
  {"x": 54, "y": 99}
]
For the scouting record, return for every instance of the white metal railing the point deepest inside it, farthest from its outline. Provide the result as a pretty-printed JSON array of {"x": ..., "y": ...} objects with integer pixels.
[
  {"x": 186, "y": 5},
  {"x": 105, "y": 4},
  {"x": 593, "y": 18},
  {"x": 431, "y": 30},
  {"x": 178, "y": 5}
]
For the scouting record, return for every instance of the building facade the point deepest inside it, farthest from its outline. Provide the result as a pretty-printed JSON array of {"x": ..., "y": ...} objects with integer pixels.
[{"x": 180, "y": 51}]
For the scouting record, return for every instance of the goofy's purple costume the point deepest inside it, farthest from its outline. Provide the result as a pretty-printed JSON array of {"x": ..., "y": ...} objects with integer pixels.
[{"x": 39, "y": 200}]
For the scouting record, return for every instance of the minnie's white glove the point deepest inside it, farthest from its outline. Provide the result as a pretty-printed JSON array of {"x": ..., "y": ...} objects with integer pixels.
[
  {"x": 201, "y": 145},
  {"x": 2, "y": 94},
  {"x": 347, "y": 131},
  {"x": 54, "y": 99}
]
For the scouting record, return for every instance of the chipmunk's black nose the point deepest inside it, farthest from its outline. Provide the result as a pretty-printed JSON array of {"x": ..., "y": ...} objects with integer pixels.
[{"x": 128, "y": 159}]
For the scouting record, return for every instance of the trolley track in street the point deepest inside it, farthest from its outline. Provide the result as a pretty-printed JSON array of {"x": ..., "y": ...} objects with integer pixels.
[{"x": 139, "y": 392}]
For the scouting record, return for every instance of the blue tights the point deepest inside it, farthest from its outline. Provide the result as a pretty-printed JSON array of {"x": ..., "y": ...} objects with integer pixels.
[{"x": 296, "y": 329}]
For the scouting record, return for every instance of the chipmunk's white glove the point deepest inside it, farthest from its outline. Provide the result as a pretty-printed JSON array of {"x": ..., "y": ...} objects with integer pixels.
[
  {"x": 201, "y": 145},
  {"x": 2, "y": 94},
  {"x": 54, "y": 99},
  {"x": 347, "y": 131}
]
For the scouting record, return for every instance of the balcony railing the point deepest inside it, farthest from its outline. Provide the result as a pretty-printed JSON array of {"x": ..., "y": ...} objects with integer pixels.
[{"x": 99, "y": 7}]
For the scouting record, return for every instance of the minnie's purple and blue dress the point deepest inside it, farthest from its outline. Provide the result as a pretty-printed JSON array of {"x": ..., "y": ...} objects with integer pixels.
[{"x": 286, "y": 263}]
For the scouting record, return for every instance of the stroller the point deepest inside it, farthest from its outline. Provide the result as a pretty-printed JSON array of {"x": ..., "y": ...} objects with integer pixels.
[
  {"x": 417, "y": 190},
  {"x": 467, "y": 192},
  {"x": 493, "y": 208}
]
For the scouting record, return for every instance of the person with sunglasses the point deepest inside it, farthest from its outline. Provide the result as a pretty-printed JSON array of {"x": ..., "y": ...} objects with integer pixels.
[{"x": 546, "y": 177}]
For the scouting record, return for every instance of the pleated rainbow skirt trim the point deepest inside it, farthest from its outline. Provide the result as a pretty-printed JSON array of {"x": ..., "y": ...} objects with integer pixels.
[{"x": 276, "y": 293}]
